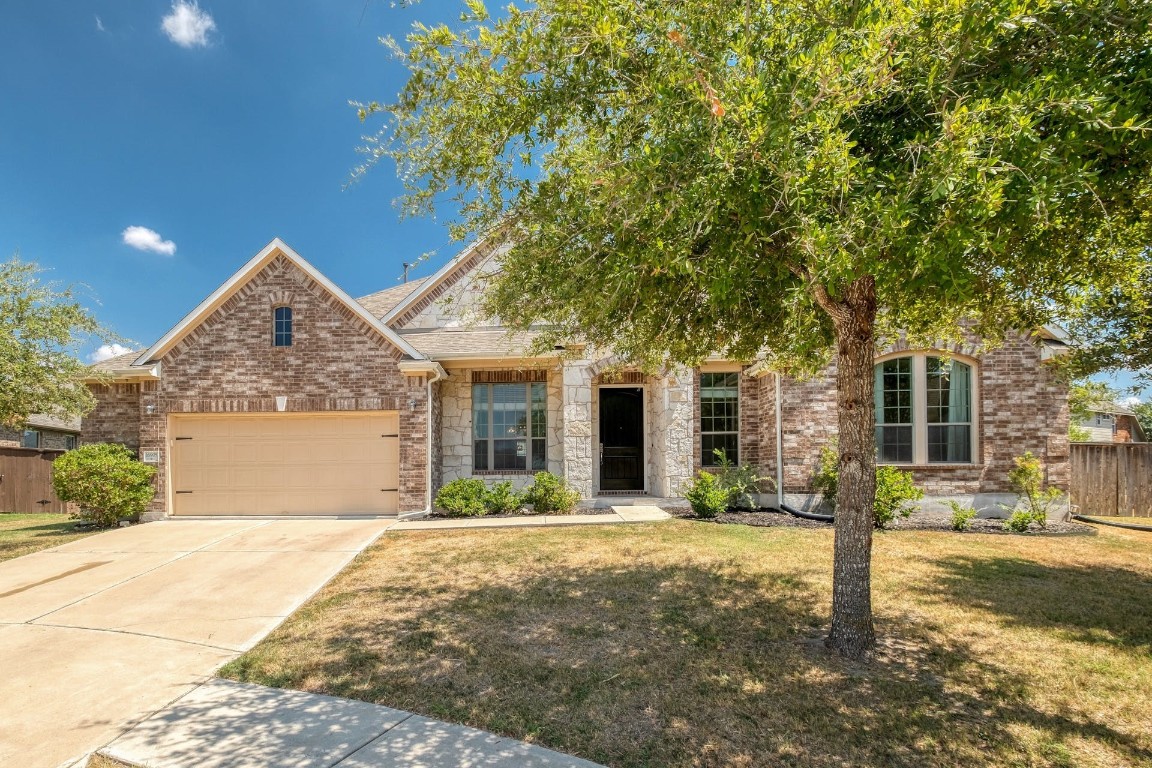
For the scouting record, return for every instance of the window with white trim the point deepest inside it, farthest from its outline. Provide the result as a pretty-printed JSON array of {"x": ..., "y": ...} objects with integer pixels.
[
  {"x": 924, "y": 410},
  {"x": 509, "y": 427},
  {"x": 719, "y": 417}
]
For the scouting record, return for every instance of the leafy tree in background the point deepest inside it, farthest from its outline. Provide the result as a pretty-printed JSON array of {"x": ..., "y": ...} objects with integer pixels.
[
  {"x": 1143, "y": 412},
  {"x": 1112, "y": 328},
  {"x": 41, "y": 330},
  {"x": 1084, "y": 398},
  {"x": 786, "y": 181}
]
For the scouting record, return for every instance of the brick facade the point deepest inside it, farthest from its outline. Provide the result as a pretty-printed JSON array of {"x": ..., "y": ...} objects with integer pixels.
[{"x": 227, "y": 364}]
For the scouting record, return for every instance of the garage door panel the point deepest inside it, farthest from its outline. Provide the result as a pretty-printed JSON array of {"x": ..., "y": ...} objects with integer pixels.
[{"x": 284, "y": 464}]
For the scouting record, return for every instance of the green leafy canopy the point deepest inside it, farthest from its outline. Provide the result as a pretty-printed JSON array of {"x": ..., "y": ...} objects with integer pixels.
[
  {"x": 42, "y": 327},
  {"x": 686, "y": 178}
]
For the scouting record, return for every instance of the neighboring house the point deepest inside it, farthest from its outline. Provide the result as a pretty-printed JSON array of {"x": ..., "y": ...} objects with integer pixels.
[
  {"x": 1111, "y": 423},
  {"x": 44, "y": 432},
  {"x": 280, "y": 394}
]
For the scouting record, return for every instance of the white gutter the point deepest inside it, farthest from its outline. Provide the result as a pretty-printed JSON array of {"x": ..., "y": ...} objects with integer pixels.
[
  {"x": 435, "y": 373},
  {"x": 779, "y": 445}
]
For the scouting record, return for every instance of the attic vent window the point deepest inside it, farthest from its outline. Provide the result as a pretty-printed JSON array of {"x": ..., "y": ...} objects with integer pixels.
[{"x": 282, "y": 327}]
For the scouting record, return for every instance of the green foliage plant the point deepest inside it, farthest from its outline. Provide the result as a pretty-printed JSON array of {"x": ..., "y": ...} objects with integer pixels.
[
  {"x": 502, "y": 499},
  {"x": 707, "y": 496},
  {"x": 742, "y": 482},
  {"x": 827, "y": 477},
  {"x": 962, "y": 516},
  {"x": 1019, "y": 522},
  {"x": 896, "y": 496},
  {"x": 879, "y": 169},
  {"x": 106, "y": 481},
  {"x": 42, "y": 330},
  {"x": 551, "y": 494},
  {"x": 1027, "y": 478},
  {"x": 463, "y": 497}
]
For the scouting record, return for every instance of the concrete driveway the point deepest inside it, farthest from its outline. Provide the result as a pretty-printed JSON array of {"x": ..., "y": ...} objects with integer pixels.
[{"x": 98, "y": 634}]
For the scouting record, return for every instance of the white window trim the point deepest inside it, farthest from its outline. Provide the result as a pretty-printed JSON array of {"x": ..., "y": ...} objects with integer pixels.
[
  {"x": 739, "y": 412},
  {"x": 920, "y": 407},
  {"x": 491, "y": 439}
]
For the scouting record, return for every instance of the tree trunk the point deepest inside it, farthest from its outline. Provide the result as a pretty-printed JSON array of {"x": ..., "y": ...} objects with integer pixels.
[{"x": 854, "y": 316}]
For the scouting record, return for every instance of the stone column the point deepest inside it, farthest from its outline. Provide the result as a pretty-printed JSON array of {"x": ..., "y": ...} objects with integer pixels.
[
  {"x": 576, "y": 429},
  {"x": 678, "y": 431}
]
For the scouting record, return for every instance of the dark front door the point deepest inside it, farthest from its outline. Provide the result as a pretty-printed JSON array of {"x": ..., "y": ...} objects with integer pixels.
[{"x": 621, "y": 439}]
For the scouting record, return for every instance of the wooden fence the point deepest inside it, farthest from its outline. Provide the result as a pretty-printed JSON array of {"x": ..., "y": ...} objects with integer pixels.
[
  {"x": 1112, "y": 478},
  {"x": 26, "y": 481}
]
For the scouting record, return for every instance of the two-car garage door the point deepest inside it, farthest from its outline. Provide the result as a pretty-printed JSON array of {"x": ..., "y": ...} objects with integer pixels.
[{"x": 285, "y": 464}]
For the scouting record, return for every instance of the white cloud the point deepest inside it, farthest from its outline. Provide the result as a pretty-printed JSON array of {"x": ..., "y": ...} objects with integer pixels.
[
  {"x": 1130, "y": 402},
  {"x": 187, "y": 25},
  {"x": 107, "y": 351},
  {"x": 99, "y": 25},
  {"x": 144, "y": 239}
]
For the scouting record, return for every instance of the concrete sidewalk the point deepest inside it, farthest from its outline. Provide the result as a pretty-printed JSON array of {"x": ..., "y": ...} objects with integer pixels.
[
  {"x": 224, "y": 724},
  {"x": 618, "y": 514}
]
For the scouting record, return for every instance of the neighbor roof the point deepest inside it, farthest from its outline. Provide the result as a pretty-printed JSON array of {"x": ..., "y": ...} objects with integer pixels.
[{"x": 44, "y": 421}]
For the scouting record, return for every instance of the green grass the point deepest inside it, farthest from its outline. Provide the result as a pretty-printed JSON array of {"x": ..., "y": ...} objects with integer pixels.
[
  {"x": 22, "y": 534},
  {"x": 695, "y": 644}
]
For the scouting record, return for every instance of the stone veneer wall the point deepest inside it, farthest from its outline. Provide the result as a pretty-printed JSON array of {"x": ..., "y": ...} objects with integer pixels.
[
  {"x": 455, "y": 448},
  {"x": 1022, "y": 406},
  {"x": 228, "y": 364}
]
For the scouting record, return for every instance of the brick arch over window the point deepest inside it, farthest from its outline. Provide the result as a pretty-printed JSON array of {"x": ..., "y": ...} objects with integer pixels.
[{"x": 927, "y": 407}]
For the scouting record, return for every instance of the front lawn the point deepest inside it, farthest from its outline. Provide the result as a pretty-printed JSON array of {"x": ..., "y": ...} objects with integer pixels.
[
  {"x": 22, "y": 534},
  {"x": 695, "y": 644}
]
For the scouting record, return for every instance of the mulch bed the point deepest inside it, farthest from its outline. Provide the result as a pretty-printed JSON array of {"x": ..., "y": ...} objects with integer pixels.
[{"x": 921, "y": 521}]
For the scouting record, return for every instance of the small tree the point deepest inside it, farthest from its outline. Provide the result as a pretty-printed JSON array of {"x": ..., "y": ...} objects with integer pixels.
[
  {"x": 106, "y": 481},
  {"x": 1027, "y": 479},
  {"x": 41, "y": 330}
]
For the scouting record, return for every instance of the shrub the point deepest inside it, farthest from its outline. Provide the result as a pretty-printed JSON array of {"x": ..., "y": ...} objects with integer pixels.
[
  {"x": 502, "y": 499},
  {"x": 464, "y": 497},
  {"x": 827, "y": 477},
  {"x": 740, "y": 482},
  {"x": 895, "y": 496},
  {"x": 551, "y": 493},
  {"x": 1019, "y": 521},
  {"x": 707, "y": 497},
  {"x": 895, "y": 492},
  {"x": 1027, "y": 479},
  {"x": 962, "y": 516},
  {"x": 106, "y": 481}
]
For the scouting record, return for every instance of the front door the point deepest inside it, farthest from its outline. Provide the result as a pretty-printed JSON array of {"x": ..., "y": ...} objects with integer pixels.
[{"x": 621, "y": 439}]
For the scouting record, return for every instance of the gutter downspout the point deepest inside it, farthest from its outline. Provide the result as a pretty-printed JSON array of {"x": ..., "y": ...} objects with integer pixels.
[
  {"x": 438, "y": 373},
  {"x": 780, "y": 466}
]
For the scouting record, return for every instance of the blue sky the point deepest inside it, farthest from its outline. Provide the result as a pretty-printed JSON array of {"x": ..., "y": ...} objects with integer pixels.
[
  {"x": 215, "y": 135},
  {"x": 148, "y": 149}
]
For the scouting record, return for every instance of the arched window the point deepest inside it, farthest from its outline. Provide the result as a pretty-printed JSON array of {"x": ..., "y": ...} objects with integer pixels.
[
  {"x": 282, "y": 327},
  {"x": 924, "y": 407}
]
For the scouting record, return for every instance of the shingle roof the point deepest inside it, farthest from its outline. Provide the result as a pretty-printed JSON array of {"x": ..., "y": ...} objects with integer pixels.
[
  {"x": 470, "y": 342},
  {"x": 116, "y": 363},
  {"x": 382, "y": 302},
  {"x": 44, "y": 421}
]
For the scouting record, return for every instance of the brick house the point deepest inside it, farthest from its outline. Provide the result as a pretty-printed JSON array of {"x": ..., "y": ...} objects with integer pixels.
[
  {"x": 280, "y": 394},
  {"x": 42, "y": 431}
]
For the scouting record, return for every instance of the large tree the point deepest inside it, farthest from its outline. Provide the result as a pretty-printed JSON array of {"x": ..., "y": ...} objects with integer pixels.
[
  {"x": 774, "y": 180},
  {"x": 42, "y": 328}
]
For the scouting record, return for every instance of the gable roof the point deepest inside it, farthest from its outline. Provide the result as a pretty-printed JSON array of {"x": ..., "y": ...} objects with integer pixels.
[
  {"x": 472, "y": 343},
  {"x": 246, "y": 273},
  {"x": 382, "y": 302},
  {"x": 444, "y": 278}
]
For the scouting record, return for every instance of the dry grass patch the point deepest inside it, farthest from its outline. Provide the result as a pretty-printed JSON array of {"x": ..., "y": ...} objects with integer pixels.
[
  {"x": 22, "y": 534},
  {"x": 692, "y": 644}
]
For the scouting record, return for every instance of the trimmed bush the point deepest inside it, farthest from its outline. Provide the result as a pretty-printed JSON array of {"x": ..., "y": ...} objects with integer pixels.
[
  {"x": 464, "y": 497},
  {"x": 741, "y": 482},
  {"x": 896, "y": 494},
  {"x": 502, "y": 499},
  {"x": 551, "y": 493},
  {"x": 707, "y": 497},
  {"x": 106, "y": 481},
  {"x": 1019, "y": 522}
]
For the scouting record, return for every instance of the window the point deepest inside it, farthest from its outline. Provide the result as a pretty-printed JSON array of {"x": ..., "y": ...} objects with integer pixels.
[
  {"x": 719, "y": 417},
  {"x": 30, "y": 439},
  {"x": 282, "y": 327},
  {"x": 69, "y": 442},
  {"x": 509, "y": 427},
  {"x": 923, "y": 411}
]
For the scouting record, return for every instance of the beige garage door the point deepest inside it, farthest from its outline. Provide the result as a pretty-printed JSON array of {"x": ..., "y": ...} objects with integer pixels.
[{"x": 285, "y": 464}]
